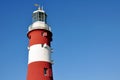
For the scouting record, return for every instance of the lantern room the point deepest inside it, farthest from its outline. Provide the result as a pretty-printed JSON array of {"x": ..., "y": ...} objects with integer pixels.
[{"x": 39, "y": 15}]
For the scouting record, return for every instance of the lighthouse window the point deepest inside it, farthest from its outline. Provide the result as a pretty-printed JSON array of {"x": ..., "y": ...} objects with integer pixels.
[
  {"x": 44, "y": 34},
  {"x": 42, "y": 45},
  {"x": 41, "y": 16},
  {"x": 35, "y": 17},
  {"x": 45, "y": 71}
]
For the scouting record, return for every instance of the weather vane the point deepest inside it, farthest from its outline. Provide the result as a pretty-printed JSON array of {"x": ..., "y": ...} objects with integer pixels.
[{"x": 37, "y": 5}]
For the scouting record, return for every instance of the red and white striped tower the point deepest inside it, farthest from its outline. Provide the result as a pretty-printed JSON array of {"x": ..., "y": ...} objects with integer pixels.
[{"x": 40, "y": 36}]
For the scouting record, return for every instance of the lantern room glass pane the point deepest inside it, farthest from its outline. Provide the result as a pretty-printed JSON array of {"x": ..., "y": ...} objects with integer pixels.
[{"x": 39, "y": 16}]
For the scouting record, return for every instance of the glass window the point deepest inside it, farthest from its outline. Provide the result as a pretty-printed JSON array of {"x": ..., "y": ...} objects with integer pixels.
[
  {"x": 45, "y": 71},
  {"x": 44, "y": 34},
  {"x": 39, "y": 16}
]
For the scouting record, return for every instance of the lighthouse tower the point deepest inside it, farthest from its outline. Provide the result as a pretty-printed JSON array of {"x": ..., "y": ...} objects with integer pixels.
[{"x": 39, "y": 57}]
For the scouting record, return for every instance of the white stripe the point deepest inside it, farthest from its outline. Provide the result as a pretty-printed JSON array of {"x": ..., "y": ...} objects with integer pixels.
[{"x": 39, "y": 52}]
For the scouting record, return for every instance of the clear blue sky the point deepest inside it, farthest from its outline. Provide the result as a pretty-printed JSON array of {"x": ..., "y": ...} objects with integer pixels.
[{"x": 86, "y": 38}]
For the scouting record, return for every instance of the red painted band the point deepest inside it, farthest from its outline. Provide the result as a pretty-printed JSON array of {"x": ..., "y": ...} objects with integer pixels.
[
  {"x": 40, "y": 71},
  {"x": 39, "y": 36}
]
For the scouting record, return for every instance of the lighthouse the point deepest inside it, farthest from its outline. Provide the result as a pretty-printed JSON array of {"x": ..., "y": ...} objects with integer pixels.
[{"x": 39, "y": 48}]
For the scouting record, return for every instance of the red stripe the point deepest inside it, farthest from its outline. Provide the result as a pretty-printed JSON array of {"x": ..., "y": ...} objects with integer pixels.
[
  {"x": 39, "y": 36},
  {"x": 36, "y": 71}
]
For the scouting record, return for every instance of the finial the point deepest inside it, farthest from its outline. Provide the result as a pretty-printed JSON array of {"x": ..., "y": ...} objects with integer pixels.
[{"x": 42, "y": 8}]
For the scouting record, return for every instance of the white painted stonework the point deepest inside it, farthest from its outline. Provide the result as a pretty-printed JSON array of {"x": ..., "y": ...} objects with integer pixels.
[
  {"x": 39, "y": 25},
  {"x": 39, "y": 52}
]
